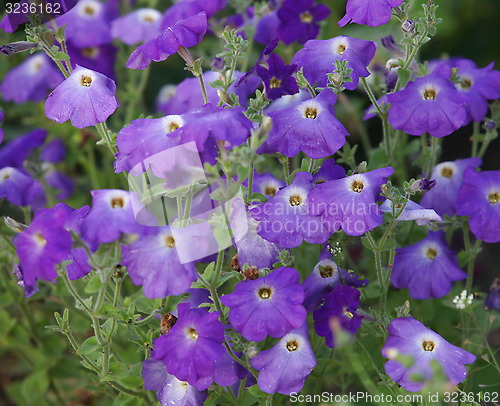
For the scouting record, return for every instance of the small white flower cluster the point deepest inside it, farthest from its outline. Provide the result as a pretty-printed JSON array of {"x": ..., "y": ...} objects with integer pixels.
[
  {"x": 462, "y": 301},
  {"x": 337, "y": 250}
]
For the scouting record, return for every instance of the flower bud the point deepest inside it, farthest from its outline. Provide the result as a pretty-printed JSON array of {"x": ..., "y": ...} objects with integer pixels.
[
  {"x": 15, "y": 47},
  {"x": 408, "y": 26}
]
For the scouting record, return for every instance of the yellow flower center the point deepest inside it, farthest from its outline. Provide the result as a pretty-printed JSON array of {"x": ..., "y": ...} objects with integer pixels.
[
  {"x": 90, "y": 52},
  {"x": 170, "y": 242},
  {"x": 357, "y": 186},
  {"x": 270, "y": 190},
  {"x": 117, "y": 202},
  {"x": 173, "y": 126},
  {"x": 494, "y": 197},
  {"x": 326, "y": 271},
  {"x": 341, "y": 49},
  {"x": 86, "y": 81},
  {"x": 274, "y": 83},
  {"x": 311, "y": 113},
  {"x": 265, "y": 293},
  {"x": 295, "y": 200},
  {"x": 348, "y": 314},
  {"x": 89, "y": 10},
  {"x": 447, "y": 172},
  {"x": 306, "y": 17},
  {"x": 430, "y": 94},
  {"x": 39, "y": 239},
  {"x": 292, "y": 345},
  {"x": 192, "y": 333},
  {"x": 431, "y": 253}
]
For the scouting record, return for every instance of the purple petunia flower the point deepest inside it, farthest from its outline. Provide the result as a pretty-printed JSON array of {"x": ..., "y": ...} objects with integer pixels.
[
  {"x": 192, "y": 347},
  {"x": 369, "y": 12},
  {"x": 324, "y": 275},
  {"x": 426, "y": 268},
  {"x": 478, "y": 85},
  {"x": 285, "y": 219},
  {"x": 299, "y": 20},
  {"x": 169, "y": 390},
  {"x": 153, "y": 261},
  {"x": 100, "y": 58},
  {"x": 449, "y": 177},
  {"x": 255, "y": 250},
  {"x": 350, "y": 203},
  {"x": 338, "y": 313},
  {"x": 329, "y": 171},
  {"x": 85, "y": 98},
  {"x": 38, "y": 74},
  {"x": 140, "y": 25},
  {"x": 187, "y": 8},
  {"x": 310, "y": 127},
  {"x": 42, "y": 246},
  {"x": 59, "y": 181},
  {"x": 184, "y": 33},
  {"x": 20, "y": 189},
  {"x": 479, "y": 198},
  {"x": 116, "y": 207},
  {"x": 492, "y": 301},
  {"x": 429, "y": 104},
  {"x": 267, "y": 306},
  {"x": 412, "y": 211},
  {"x": 16, "y": 151},
  {"x": 53, "y": 152},
  {"x": 277, "y": 77},
  {"x": 267, "y": 28},
  {"x": 285, "y": 367},
  {"x": 409, "y": 337},
  {"x": 318, "y": 58},
  {"x": 267, "y": 184},
  {"x": 88, "y": 23}
]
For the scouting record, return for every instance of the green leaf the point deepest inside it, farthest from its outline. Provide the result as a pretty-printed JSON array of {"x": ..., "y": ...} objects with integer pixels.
[
  {"x": 257, "y": 392},
  {"x": 94, "y": 284},
  {"x": 89, "y": 346},
  {"x": 36, "y": 384},
  {"x": 404, "y": 76},
  {"x": 61, "y": 56}
]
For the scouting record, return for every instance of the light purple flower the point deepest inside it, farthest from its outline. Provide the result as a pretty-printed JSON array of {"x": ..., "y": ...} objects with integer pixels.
[
  {"x": 319, "y": 282},
  {"x": 350, "y": 203},
  {"x": 99, "y": 58},
  {"x": 449, "y": 177},
  {"x": 267, "y": 306},
  {"x": 426, "y": 268},
  {"x": 85, "y": 98},
  {"x": 429, "y": 104},
  {"x": 20, "y": 189},
  {"x": 286, "y": 220},
  {"x": 318, "y": 58},
  {"x": 285, "y": 367},
  {"x": 479, "y": 198},
  {"x": 412, "y": 211},
  {"x": 409, "y": 337},
  {"x": 140, "y": 25},
  {"x": 369, "y": 12},
  {"x": 38, "y": 74},
  {"x": 16, "y": 151}
]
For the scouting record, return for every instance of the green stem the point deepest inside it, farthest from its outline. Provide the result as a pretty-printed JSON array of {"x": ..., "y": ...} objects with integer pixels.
[
  {"x": 250, "y": 182},
  {"x": 203, "y": 89},
  {"x": 472, "y": 252},
  {"x": 475, "y": 133},
  {"x": 73, "y": 291}
]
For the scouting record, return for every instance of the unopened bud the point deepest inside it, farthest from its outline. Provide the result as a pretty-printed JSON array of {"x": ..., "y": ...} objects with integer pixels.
[
  {"x": 14, "y": 225},
  {"x": 490, "y": 125},
  {"x": 408, "y": 26},
  {"x": 15, "y": 47},
  {"x": 217, "y": 64}
]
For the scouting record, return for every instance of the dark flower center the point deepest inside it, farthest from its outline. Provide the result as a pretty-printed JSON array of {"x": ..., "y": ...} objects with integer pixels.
[
  {"x": 148, "y": 19},
  {"x": 428, "y": 346},
  {"x": 90, "y": 52},
  {"x": 86, "y": 81},
  {"x": 447, "y": 172},
  {"x": 173, "y": 126},
  {"x": 357, "y": 186},
  {"x": 306, "y": 17},
  {"x": 326, "y": 271},
  {"x": 494, "y": 197},
  {"x": 311, "y": 113},
  {"x": 429, "y": 94},
  {"x": 117, "y": 202},
  {"x": 193, "y": 333},
  {"x": 295, "y": 200},
  {"x": 170, "y": 242},
  {"x": 265, "y": 293},
  {"x": 466, "y": 83},
  {"x": 341, "y": 49},
  {"x": 270, "y": 190},
  {"x": 292, "y": 345},
  {"x": 89, "y": 10},
  {"x": 274, "y": 83},
  {"x": 431, "y": 253}
]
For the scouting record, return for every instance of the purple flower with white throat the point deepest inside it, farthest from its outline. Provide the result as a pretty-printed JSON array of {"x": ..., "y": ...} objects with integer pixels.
[
  {"x": 285, "y": 367},
  {"x": 116, "y": 207},
  {"x": 369, "y": 12},
  {"x": 492, "y": 301},
  {"x": 85, "y": 98},
  {"x": 277, "y": 77},
  {"x": 184, "y": 33},
  {"x": 99, "y": 58},
  {"x": 318, "y": 58},
  {"x": 479, "y": 198},
  {"x": 267, "y": 184},
  {"x": 38, "y": 74},
  {"x": 350, "y": 203},
  {"x": 285, "y": 219},
  {"x": 181, "y": 10},
  {"x": 338, "y": 313},
  {"x": 21, "y": 189},
  {"x": 88, "y": 23},
  {"x": 426, "y": 268},
  {"x": 429, "y": 104},
  {"x": 140, "y": 25},
  {"x": 320, "y": 281},
  {"x": 42, "y": 246},
  {"x": 267, "y": 306},
  {"x": 449, "y": 177},
  {"x": 310, "y": 127},
  {"x": 409, "y": 337},
  {"x": 298, "y": 20},
  {"x": 16, "y": 151},
  {"x": 329, "y": 171},
  {"x": 192, "y": 347}
]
